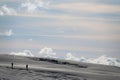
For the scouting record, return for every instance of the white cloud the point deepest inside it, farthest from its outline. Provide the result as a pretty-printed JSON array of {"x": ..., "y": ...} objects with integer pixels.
[
  {"x": 88, "y": 37},
  {"x": 105, "y": 60},
  {"x": 100, "y": 60},
  {"x": 69, "y": 56},
  {"x": 30, "y": 40},
  {"x": 87, "y": 7},
  {"x": 24, "y": 53},
  {"x": 25, "y": 9},
  {"x": 5, "y": 10},
  {"x": 33, "y": 6},
  {"x": 47, "y": 52},
  {"x": 1, "y": 13},
  {"x": 7, "y": 33}
]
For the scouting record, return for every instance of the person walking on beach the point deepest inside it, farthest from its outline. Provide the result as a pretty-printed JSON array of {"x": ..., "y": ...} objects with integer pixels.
[
  {"x": 27, "y": 67},
  {"x": 12, "y": 65}
]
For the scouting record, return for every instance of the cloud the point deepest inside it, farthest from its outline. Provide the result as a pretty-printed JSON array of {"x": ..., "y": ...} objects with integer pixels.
[
  {"x": 44, "y": 52},
  {"x": 47, "y": 52},
  {"x": 105, "y": 60},
  {"x": 32, "y": 6},
  {"x": 28, "y": 8},
  {"x": 69, "y": 56},
  {"x": 35, "y": 8},
  {"x": 30, "y": 40},
  {"x": 7, "y": 33},
  {"x": 5, "y": 10},
  {"x": 24, "y": 53},
  {"x": 88, "y": 37},
  {"x": 87, "y": 7},
  {"x": 1, "y": 13},
  {"x": 100, "y": 60}
]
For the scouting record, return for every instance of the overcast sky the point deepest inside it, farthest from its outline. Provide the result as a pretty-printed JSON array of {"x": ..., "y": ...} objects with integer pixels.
[{"x": 87, "y": 28}]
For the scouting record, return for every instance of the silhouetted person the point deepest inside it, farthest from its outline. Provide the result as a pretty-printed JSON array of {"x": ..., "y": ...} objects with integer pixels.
[
  {"x": 27, "y": 67},
  {"x": 12, "y": 65}
]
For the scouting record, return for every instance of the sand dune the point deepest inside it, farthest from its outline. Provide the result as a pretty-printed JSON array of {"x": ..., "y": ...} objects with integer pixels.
[{"x": 54, "y": 69}]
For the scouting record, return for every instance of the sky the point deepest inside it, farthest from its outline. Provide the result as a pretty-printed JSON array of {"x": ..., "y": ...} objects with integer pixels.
[{"x": 88, "y": 28}]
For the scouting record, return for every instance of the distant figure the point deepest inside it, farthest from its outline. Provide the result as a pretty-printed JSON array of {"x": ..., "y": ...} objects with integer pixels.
[
  {"x": 27, "y": 67},
  {"x": 12, "y": 65}
]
